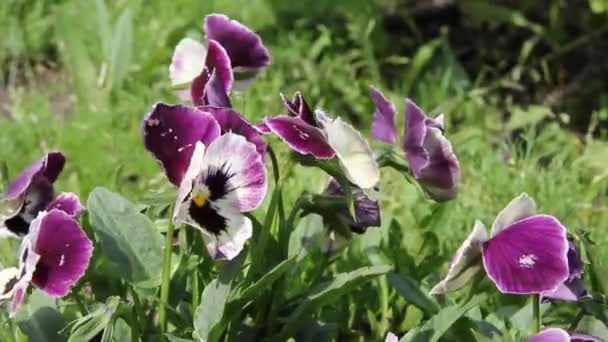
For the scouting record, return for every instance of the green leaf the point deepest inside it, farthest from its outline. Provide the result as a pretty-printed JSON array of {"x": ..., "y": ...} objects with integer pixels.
[
  {"x": 89, "y": 326},
  {"x": 592, "y": 326},
  {"x": 305, "y": 236},
  {"x": 267, "y": 279},
  {"x": 213, "y": 301},
  {"x": 120, "y": 49},
  {"x": 127, "y": 237},
  {"x": 39, "y": 319},
  {"x": 408, "y": 288},
  {"x": 331, "y": 291},
  {"x": 439, "y": 324},
  {"x": 104, "y": 26},
  {"x": 421, "y": 59}
]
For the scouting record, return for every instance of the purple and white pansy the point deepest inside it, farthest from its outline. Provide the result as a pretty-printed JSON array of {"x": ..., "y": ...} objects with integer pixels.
[
  {"x": 54, "y": 255},
  {"x": 526, "y": 253},
  {"x": 560, "y": 335},
  {"x": 216, "y": 160},
  {"x": 366, "y": 209},
  {"x": 233, "y": 55},
  {"x": 324, "y": 137},
  {"x": 428, "y": 152}
]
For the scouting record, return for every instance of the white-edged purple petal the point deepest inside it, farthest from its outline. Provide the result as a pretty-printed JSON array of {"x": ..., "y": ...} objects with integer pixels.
[
  {"x": 429, "y": 154},
  {"x": 519, "y": 208},
  {"x": 244, "y": 47},
  {"x": 64, "y": 250},
  {"x": 218, "y": 69},
  {"x": 232, "y": 121},
  {"x": 466, "y": 262},
  {"x": 28, "y": 261},
  {"x": 298, "y": 107},
  {"x": 550, "y": 335},
  {"x": 69, "y": 203},
  {"x": 383, "y": 125},
  {"x": 528, "y": 257},
  {"x": 215, "y": 93},
  {"x": 187, "y": 64},
  {"x": 170, "y": 133},
  {"x": 262, "y": 128},
  {"x": 48, "y": 168},
  {"x": 301, "y": 136},
  {"x": 355, "y": 155}
]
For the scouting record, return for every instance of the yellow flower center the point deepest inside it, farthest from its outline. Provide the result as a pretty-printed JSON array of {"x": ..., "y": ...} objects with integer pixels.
[{"x": 200, "y": 199}]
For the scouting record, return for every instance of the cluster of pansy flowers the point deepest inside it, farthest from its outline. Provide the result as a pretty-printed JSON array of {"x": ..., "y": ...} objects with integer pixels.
[
  {"x": 55, "y": 252},
  {"x": 216, "y": 158}
]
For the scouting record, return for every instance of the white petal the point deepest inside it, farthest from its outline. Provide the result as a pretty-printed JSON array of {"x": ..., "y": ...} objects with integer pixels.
[
  {"x": 229, "y": 243},
  {"x": 188, "y": 61},
  {"x": 28, "y": 259},
  {"x": 180, "y": 214},
  {"x": 7, "y": 277},
  {"x": 354, "y": 153},
  {"x": 519, "y": 208}
]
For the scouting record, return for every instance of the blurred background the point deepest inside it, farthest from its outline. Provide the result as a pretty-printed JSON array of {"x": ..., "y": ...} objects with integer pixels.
[{"x": 523, "y": 85}]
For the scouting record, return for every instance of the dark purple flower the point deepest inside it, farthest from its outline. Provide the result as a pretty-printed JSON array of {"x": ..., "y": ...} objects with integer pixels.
[
  {"x": 367, "y": 210},
  {"x": 560, "y": 335},
  {"x": 213, "y": 84},
  {"x": 428, "y": 152},
  {"x": 573, "y": 289},
  {"x": 170, "y": 133},
  {"x": 224, "y": 180},
  {"x": 383, "y": 124},
  {"x": 323, "y": 138},
  {"x": 53, "y": 257},
  {"x": 525, "y": 254},
  {"x": 30, "y": 193}
]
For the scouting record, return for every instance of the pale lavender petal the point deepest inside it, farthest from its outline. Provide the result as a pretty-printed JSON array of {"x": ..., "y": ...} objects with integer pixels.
[
  {"x": 244, "y": 47},
  {"x": 217, "y": 63},
  {"x": 299, "y": 108},
  {"x": 383, "y": 125},
  {"x": 301, "y": 136},
  {"x": 69, "y": 203},
  {"x": 367, "y": 210},
  {"x": 48, "y": 168},
  {"x": 466, "y": 262},
  {"x": 529, "y": 256},
  {"x": 572, "y": 290},
  {"x": 413, "y": 138},
  {"x": 64, "y": 249},
  {"x": 550, "y": 335},
  {"x": 215, "y": 93},
  {"x": 231, "y": 121},
  {"x": 390, "y": 337},
  {"x": 170, "y": 133},
  {"x": 8, "y": 278},
  {"x": 239, "y": 159},
  {"x": 519, "y": 208},
  {"x": 187, "y": 62}
]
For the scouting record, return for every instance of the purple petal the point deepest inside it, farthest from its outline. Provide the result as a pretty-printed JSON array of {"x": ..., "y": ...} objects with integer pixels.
[
  {"x": 244, "y": 47},
  {"x": 69, "y": 203},
  {"x": 550, "y": 335},
  {"x": 301, "y": 136},
  {"x": 262, "y": 128},
  {"x": 217, "y": 63},
  {"x": 465, "y": 263},
  {"x": 35, "y": 199},
  {"x": 413, "y": 137},
  {"x": 571, "y": 291},
  {"x": 170, "y": 132},
  {"x": 64, "y": 249},
  {"x": 48, "y": 168},
  {"x": 383, "y": 126},
  {"x": 584, "y": 338},
  {"x": 367, "y": 210},
  {"x": 299, "y": 108},
  {"x": 519, "y": 208},
  {"x": 231, "y": 121},
  {"x": 215, "y": 93},
  {"x": 528, "y": 257},
  {"x": 575, "y": 264}
]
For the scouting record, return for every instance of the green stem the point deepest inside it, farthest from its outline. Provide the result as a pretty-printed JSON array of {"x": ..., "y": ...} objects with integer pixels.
[
  {"x": 536, "y": 313},
  {"x": 138, "y": 312},
  {"x": 196, "y": 292},
  {"x": 576, "y": 320},
  {"x": 166, "y": 276}
]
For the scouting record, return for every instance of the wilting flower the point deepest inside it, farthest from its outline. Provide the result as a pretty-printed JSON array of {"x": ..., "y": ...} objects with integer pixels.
[
  {"x": 325, "y": 138},
  {"x": 428, "y": 152},
  {"x": 224, "y": 180},
  {"x": 560, "y": 335},
  {"x": 219, "y": 176},
  {"x": 390, "y": 337},
  {"x": 232, "y": 52},
  {"x": 573, "y": 289},
  {"x": 31, "y": 192},
  {"x": 53, "y": 257},
  {"x": 526, "y": 253}
]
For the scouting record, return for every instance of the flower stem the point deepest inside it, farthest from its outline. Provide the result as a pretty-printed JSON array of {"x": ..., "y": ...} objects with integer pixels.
[
  {"x": 166, "y": 276},
  {"x": 536, "y": 313},
  {"x": 196, "y": 292}
]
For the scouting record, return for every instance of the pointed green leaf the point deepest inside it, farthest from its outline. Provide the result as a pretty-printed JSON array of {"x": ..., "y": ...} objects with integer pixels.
[{"x": 408, "y": 288}]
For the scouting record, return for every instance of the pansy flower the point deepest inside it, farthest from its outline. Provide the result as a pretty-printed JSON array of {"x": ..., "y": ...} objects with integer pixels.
[
  {"x": 526, "y": 253},
  {"x": 53, "y": 257},
  {"x": 573, "y": 289},
  {"x": 232, "y": 51},
  {"x": 428, "y": 152},
  {"x": 323, "y": 137},
  {"x": 560, "y": 335},
  {"x": 31, "y": 192},
  {"x": 220, "y": 176}
]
